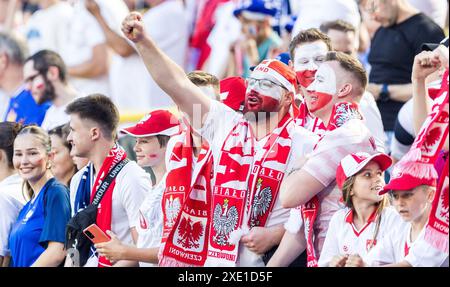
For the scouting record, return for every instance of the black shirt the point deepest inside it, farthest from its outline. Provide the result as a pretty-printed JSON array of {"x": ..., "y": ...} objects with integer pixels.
[{"x": 392, "y": 55}]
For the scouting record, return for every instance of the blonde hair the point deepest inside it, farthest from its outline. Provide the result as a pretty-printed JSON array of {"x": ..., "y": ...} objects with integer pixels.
[{"x": 42, "y": 136}]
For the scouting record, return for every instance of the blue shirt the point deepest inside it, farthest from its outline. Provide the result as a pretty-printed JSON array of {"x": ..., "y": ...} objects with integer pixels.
[
  {"x": 22, "y": 108},
  {"x": 40, "y": 221}
]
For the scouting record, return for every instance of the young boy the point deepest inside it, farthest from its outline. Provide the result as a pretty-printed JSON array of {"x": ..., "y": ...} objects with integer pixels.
[{"x": 412, "y": 198}]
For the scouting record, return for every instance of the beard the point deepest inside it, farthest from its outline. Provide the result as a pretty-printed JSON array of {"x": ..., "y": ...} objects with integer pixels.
[
  {"x": 48, "y": 94},
  {"x": 259, "y": 106}
]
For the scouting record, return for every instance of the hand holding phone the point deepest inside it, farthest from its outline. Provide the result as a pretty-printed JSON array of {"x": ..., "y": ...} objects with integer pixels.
[{"x": 95, "y": 234}]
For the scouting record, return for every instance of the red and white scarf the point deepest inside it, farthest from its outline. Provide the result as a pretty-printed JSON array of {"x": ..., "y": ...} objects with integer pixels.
[
  {"x": 245, "y": 188},
  {"x": 430, "y": 139},
  {"x": 342, "y": 113},
  {"x": 432, "y": 136},
  {"x": 187, "y": 243},
  {"x": 104, "y": 210},
  {"x": 178, "y": 181},
  {"x": 308, "y": 121}
]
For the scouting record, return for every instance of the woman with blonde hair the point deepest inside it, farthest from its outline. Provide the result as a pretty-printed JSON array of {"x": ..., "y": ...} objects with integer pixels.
[
  {"x": 367, "y": 217},
  {"x": 37, "y": 237}
]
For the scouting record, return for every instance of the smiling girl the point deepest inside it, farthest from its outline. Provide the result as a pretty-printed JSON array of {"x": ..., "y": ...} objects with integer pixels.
[
  {"x": 37, "y": 237},
  {"x": 366, "y": 218}
]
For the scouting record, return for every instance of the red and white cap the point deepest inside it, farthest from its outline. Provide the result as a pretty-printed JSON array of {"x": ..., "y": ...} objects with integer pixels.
[
  {"x": 280, "y": 71},
  {"x": 232, "y": 92},
  {"x": 157, "y": 122},
  {"x": 353, "y": 163},
  {"x": 403, "y": 180}
]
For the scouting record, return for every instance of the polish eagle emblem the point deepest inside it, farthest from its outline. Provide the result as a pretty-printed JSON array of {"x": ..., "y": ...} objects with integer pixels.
[
  {"x": 172, "y": 207},
  {"x": 189, "y": 233},
  {"x": 261, "y": 203},
  {"x": 432, "y": 138},
  {"x": 225, "y": 220}
]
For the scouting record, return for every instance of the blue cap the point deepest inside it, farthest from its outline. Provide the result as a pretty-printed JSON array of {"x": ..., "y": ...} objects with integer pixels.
[
  {"x": 283, "y": 57},
  {"x": 264, "y": 7}
]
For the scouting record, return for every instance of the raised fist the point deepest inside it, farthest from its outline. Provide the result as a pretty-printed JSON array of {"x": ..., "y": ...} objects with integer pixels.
[{"x": 133, "y": 27}]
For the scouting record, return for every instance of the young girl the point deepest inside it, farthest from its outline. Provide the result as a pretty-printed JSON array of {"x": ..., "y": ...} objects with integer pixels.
[
  {"x": 412, "y": 198},
  {"x": 62, "y": 164},
  {"x": 366, "y": 218},
  {"x": 11, "y": 197},
  {"x": 37, "y": 237},
  {"x": 152, "y": 135}
]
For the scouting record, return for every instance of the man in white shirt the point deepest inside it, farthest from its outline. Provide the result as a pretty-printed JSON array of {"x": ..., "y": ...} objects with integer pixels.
[
  {"x": 45, "y": 76},
  {"x": 48, "y": 27},
  {"x": 127, "y": 73},
  {"x": 93, "y": 124},
  {"x": 270, "y": 93}
]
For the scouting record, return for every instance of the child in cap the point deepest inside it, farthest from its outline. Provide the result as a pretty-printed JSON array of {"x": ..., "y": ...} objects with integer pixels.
[
  {"x": 152, "y": 134},
  {"x": 412, "y": 197},
  {"x": 367, "y": 217}
]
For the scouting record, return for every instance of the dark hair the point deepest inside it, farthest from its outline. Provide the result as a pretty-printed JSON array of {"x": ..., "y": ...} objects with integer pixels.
[
  {"x": 350, "y": 65},
  {"x": 338, "y": 25},
  {"x": 62, "y": 131},
  {"x": 97, "y": 108},
  {"x": 8, "y": 133},
  {"x": 45, "y": 59},
  {"x": 308, "y": 36},
  {"x": 163, "y": 140}
]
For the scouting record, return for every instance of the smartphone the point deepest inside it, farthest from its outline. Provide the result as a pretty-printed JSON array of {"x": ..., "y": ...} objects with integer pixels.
[{"x": 95, "y": 234}]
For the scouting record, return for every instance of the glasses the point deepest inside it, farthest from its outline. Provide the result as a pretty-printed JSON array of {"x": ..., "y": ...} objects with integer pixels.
[{"x": 264, "y": 84}]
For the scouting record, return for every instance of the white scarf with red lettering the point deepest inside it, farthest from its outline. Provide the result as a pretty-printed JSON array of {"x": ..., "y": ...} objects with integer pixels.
[
  {"x": 245, "y": 188},
  {"x": 187, "y": 243}
]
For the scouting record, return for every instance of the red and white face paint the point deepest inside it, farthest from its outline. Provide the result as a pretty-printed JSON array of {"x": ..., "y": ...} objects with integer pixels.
[
  {"x": 307, "y": 59},
  {"x": 323, "y": 88},
  {"x": 266, "y": 99}
]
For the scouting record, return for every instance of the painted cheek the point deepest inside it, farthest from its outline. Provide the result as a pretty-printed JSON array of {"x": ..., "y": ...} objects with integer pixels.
[
  {"x": 306, "y": 77},
  {"x": 322, "y": 100},
  {"x": 152, "y": 156},
  {"x": 269, "y": 104}
]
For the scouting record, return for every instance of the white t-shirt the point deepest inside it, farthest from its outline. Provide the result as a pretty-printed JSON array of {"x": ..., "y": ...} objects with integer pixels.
[
  {"x": 11, "y": 202},
  {"x": 49, "y": 28},
  {"x": 343, "y": 238},
  {"x": 437, "y": 10},
  {"x": 422, "y": 254},
  {"x": 351, "y": 137},
  {"x": 84, "y": 33},
  {"x": 132, "y": 185},
  {"x": 396, "y": 246},
  {"x": 372, "y": 119},
  {"x": 217, "y": 126},
  {"x": 167, "y": 25},
  {"x": 312, "y": 13},
  {"x": 150, "y": 225},
  {"x": 54, "y": 117}
]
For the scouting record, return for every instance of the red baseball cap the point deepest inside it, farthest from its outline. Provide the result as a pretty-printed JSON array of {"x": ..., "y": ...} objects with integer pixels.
[
  {"x": 157, "y": 122},
  {"x": 232, "y": 92},
  {"x": 353, "y": 163},
  {"x": 403, "y": 181}
]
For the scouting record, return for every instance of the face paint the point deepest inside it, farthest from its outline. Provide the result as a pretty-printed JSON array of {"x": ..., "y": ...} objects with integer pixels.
[
  {"x": 307, "y": 59},
  {"x": 323, "y": 88},
  {"x": 305, "y": 77}
]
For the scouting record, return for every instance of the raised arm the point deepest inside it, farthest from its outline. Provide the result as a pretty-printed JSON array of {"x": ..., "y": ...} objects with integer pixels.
[
  {"x": 167, "y": 74},
  {"x": 298, "y": 188}
]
